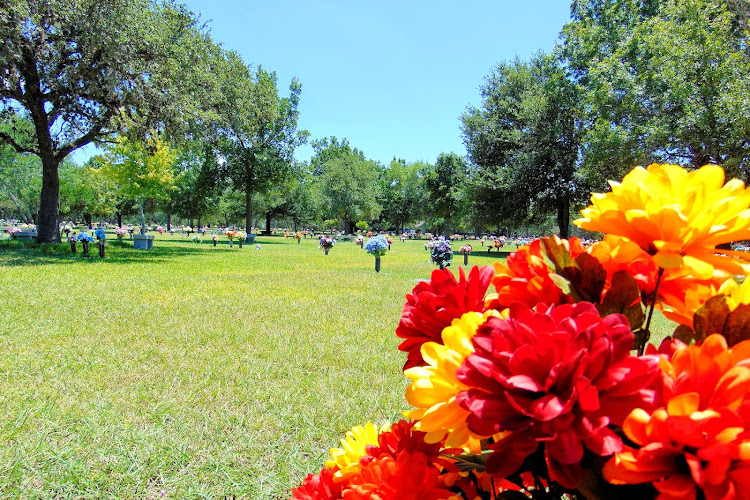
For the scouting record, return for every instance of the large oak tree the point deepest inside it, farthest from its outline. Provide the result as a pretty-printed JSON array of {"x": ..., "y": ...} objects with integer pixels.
[{"x": 75, "y": 68}]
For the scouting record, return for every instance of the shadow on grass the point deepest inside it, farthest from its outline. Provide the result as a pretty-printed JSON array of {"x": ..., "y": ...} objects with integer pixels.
[{"x": 33, "y": 254}]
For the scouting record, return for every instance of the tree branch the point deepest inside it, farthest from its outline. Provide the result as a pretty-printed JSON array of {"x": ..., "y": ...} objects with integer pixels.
[
  {"x": 86, "y": 138},
  {"x": 6, "y": 137}
]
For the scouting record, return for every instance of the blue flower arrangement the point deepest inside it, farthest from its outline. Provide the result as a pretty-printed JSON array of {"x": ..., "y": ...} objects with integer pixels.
[
  {"x": 84, "y": 236},
  {"x": 377, "y": 246},
  {"x": 442, "y": 253},
  {"x": 99, "y": 233}
]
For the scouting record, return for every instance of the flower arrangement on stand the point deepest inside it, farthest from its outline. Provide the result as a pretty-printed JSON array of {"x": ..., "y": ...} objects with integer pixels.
[
  {"x": 377, "y": 246},
  {"x": 326, "y": 243},
  {"x": 215, "y": 238},
  {"x": 72, "y": 239},
  {"x": 197, "y": 239},
  {"x": 85, "y": 238},
  {"x": 298, "y": 235},
  {"x": 548, "y": 387},
  {"x": 101, "y": 239},
  {"x": 231, "y": 235},
  {"x": 441, "y": 253},
  {"x": 465, "y": 250},
  {"x": 13, "y": 231},
  {"x": 120, "y": 232}
]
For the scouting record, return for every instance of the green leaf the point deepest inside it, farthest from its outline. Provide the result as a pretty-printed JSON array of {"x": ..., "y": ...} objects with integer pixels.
[
  {"x": 467, "y": 463},
  {"x": 715, "y": 316},
  {"x": 583, "y": 278},
  {"x": 685, "y": 334},
  {"x": 624, "y": 297}
]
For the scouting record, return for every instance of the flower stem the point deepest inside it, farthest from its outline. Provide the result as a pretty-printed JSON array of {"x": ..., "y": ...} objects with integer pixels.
[{"x": 642, "y": 346}]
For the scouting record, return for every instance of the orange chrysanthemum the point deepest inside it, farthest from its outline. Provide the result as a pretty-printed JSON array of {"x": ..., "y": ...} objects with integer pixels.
[
  {"x": 679, "y": 294},
  {"x": 526, "y": 278},
  {"x": 699, "y": 438},
  {"x": 677, "y": 216}
]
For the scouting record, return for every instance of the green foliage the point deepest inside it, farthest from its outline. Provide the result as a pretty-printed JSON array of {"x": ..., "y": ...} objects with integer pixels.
[
  {"x": 523, "y": 142},
  {"x": 349, "y": 189},
  {"x": 261, "y": 134},
  {"x": 402, "y": 197},
  {"x": 661, "y": 83},
  {"x": 140, "y": 171}
]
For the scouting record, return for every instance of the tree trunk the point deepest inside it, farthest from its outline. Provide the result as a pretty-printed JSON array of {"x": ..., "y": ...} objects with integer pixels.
[
  {"x": 87, "y": 220},
  {"x": 563, "y": 217},
  {"x": 119, "y": 219},
  {"x": 268, "y": 222},
  {"x": 49, "y": 200},
  {"x": 248, "y": 207},
  {"x": 169, "y": 222},
  {"x": 143, "y": 218}
]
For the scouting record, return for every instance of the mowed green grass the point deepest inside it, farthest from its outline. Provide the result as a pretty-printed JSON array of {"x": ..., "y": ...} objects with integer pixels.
[{"x": 191, "y": 371}]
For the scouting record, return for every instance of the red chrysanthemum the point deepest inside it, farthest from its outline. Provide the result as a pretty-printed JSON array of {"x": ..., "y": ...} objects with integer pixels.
[
  {"x": 403, "y": 438},
  {"x": 433, "y": 305},
  {"x": 318, "y": 487},
  {"x": 525, "y": 276},
  {"x": 409, "y": 476},
  {"x": 558, "y": 376}
]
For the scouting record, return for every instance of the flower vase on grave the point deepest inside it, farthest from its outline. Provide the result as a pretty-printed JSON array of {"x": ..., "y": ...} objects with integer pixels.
[
  {"x": 73, "y": 247},
  {"x": 377, "y": 264},
  {"x": 85, "y": 247},
  {"x": 466, "y": 259},
  {"x": 101, "y": 249},
  {"x": 325, "y": 250},
  {"x": 239, "y": 242}
]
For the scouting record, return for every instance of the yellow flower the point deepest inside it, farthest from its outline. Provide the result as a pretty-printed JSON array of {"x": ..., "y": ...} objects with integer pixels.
[
  {"x": 434, "y": 387},
  {"x": 354, "y": 447},
  {"x": 677, "y": 216},
  {"x": 736, "y": 294}
]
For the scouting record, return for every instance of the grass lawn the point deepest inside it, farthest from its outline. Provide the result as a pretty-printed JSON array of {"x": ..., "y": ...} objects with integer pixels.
[{"x": 192, "y": 371}]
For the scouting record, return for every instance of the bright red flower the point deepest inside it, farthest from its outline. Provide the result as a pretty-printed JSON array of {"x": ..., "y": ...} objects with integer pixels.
[
  {"x": 557, "y": 376},
  {"x": 318, "y": 487},
  {"x": 525, "y": 276},
  {"x": 435, "y": 304},
  {"x": 409, "y": 476}
]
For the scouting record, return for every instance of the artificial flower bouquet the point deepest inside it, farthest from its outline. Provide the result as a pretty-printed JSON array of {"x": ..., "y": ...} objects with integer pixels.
[
  {"x": 377, "y": 246},
  {"x": 549, "y": 389},
  {"x": 231, "y": 235},
  {"x": 465, "y": 249},
  {"x": 85, "y": 236},
  {"x": 441, "y": 253},
  {"x": 100, "y": 236},
  {"x": 12, "y": 231},
  {"x": 326, "y": 243}
]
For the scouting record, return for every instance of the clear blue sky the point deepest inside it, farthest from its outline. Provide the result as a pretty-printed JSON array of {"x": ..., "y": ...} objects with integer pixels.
[{"x": 391, "y": 76}]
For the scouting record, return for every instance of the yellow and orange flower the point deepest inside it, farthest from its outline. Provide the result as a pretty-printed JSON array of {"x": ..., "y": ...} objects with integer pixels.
[
  {"x": 699, "y": 438},
  {"x": 677, "y": 216},
  {"x": 434, "y": 386},
  {"x": 353, "y": 448}
]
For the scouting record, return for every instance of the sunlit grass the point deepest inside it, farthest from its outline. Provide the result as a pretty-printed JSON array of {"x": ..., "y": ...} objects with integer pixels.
[{"x": 191, "y": 370}]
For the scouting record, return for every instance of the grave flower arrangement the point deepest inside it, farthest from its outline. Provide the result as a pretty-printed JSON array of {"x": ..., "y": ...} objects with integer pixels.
[
  {"x": 441, "y": 253},
  {"x": 377, "y": 246},
  {"x": 13, "y": 231},
  {"x": 326, "y": 243},
  {"x": 120, "y": 232},
  {"x": 85, "y": 236},
  {"x": 100, "y": 235},
  {"x": 465, "y": 249},
  {"x": 548, "y": 387}
]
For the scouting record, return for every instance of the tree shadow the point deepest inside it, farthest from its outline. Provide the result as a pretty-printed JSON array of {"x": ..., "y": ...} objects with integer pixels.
[{"x": 115, "y": 253}]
